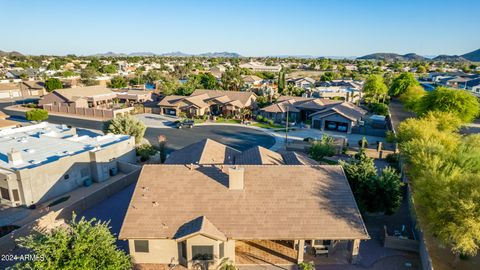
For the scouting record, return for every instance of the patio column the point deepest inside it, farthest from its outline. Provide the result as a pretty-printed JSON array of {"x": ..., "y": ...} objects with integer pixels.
[
  {"x": 354, "y": 248},
  {"x": 301, "y": 248}
]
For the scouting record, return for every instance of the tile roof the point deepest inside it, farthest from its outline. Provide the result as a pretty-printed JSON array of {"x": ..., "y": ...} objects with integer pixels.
[
  {"x": 206, "y": 151},
  {"x": 259, "y": 155},
  {"x": 72, "y": 94},
  {"x": 346, "y": 109},
  {"x": 281, "y": 107},
  {"x": 277, "y": 202},
  {"x": 242, "y": 96},
  {"x": 9, "y": 86},
  {"x": 200, "y": 225}
]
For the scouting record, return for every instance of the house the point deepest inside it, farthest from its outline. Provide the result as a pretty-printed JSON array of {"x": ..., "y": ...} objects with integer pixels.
[
  {"x": 339, "y": 117},
  {"x": 299, "y": 108},
  {"x": 134, "y": 96},
  {"x": 33, "y": 88},
  {"x": 6, "y": 124},
  {"x": 303, "y": 82},
  {"x": 255, "y": 66},
  {"x": 266, "y": 215},
  {"x": 80, "y": 97},
  {"x": 43, "y": 161},
  {"x": 203, "y": 102},
  {"x": 28, "y": 73},
  {"x": 336, "y": 92},
  {"x": 252, "y": 81},
  {"x": 208, "y": 151},
  {"x": 10, "y": 90}
]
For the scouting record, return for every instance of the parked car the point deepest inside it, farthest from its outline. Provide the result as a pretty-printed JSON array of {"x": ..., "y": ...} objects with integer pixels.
[
  {"x": 342, "y": 128},
  {"x": 187, "y": 124},
  {"x": 332, "y": 125}
]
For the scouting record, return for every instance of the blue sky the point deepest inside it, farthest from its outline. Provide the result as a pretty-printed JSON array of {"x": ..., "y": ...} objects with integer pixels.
[{"x": 251, "y": 28}]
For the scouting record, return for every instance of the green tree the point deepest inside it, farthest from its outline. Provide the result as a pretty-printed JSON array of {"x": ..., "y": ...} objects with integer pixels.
[
  {"x": 323, "y": 148},
  {"x": 412, "y": 96},
  {"x": 84, "y": 244},
  {"x": 281, "y": 81},
  {"x": 36, "y": 115},
  {"x": 52, "y": 84},
  {"x": 108, "y": 69},
  {"x": 145, "y": 151},
  {"x": 401, "y": 83},
  {"x": 459, "y": 102},
  {"x": 118, "y": 82},
  {"x": 444, "y": 169},
  {"x": 389, "y": 190},
  {"x": 208, "y": 81},
  {"x": 232, "y": 79},
  {"x": 126, "y": 125},
  {"x": 375, "y": 89},
  {"x": 327, "y": 76}
]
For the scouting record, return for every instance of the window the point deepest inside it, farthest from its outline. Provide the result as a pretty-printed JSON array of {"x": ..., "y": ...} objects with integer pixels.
[
  {"x": 221, "y": 248},
  {"x": 66, "y": 176},
  {"x": 202, "y": 253},
  {"x": 16, "y": 197},
  {"x": 141, "y": 246},
  {"x": 5, "y": 194}
]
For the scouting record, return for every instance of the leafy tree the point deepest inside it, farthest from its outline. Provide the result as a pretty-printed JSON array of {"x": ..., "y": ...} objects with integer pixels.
[
  {"x": 82, "y": 245},
  {"x": 108, "y": 69},
  {"x": 306, "y": 266},
  {"x": 126, "y": 125},
  {"x": 444, "y": 169},
  {"x": 232, "y": 79},
  {"x": 208, "y": 81},
  {"x": 375, "y": 89},
  {"x": 152, "y": 76},
  {"x": 327, "y": 76},
  {"x": 263, "y": 101},
  {"x": 292, "y": 90},
  {"x": 379, "y": 108},
  {"x": 373, "y": 193},
  {"x": 36, "y": 115},
  {"x": 323, "y": 148},
  {"x": 53, "y": 84},
  {"x": 118, "y": 82},
  {"x": 281, "y": 81},
  {"x": 412, "y": 96},
  {"x": 401, "y": 83},
  {"x": 458, "y": 102}
]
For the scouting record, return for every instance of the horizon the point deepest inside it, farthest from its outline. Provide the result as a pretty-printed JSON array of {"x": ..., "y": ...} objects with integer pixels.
[{"x": 305, "y": 28}]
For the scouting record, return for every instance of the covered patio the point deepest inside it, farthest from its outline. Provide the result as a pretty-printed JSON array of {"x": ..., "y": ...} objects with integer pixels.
[{"x": 271, "y": 252}]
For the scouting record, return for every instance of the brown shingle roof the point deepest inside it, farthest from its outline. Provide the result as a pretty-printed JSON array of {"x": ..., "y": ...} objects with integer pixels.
[
  {"x": 259, "y": 155},
  {"x": 91, "y": 92},
  {"x": 281, "y": 107},
  {"x": 9, "y": 86},
  {"x": 295, "y": 158},
  {"x": 277, "y": 202},
  {"x": 206, "y": 151},
  {"x": 200, "y": 225}
]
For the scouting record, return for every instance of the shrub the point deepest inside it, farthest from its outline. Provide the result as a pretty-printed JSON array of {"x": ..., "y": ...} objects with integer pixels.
[
  {"x": 259, "y": 118},
  {"x": 379, "y": 108},
  {"x": 390, "y": 137},
  {"x": 53, "y": 84},
  {"x": 363, "y": 142},
  {"x": 36, "y": 115},
  {"x": 126, "y": 125},
  {"x": 145, "y": 151},
  {"x": 323, "y": 148}
]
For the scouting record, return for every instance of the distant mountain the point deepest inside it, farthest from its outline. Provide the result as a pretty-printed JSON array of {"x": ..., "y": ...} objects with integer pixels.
[
  {"x": 393, "y": 57},
  {"x": 220, "y": 54},
  {"x": 472, "y": 56},
  {"x": 141, "y": 54},
  {"x": 175, "y": 54},
  {"x": 449, "y": 58},
  {"x": 12, "y": 53},
  {"x": 109, "y": 54}
]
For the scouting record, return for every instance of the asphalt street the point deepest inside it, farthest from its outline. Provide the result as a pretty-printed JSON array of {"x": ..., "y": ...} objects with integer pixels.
[{"x": 238, "y": 137}]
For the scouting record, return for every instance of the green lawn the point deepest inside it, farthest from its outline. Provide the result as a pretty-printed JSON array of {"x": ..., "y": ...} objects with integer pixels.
[
  {"x": 228, "y": 121},
  {"x": 265, "y": 125}
]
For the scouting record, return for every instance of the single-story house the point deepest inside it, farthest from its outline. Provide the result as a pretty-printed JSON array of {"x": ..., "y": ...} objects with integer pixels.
[
  {"x": 214, "y": 102},
  {"x": 134, "y": 96},
  {"x": 191, "y": 215},
  {"x": 303, "y": 82},
  {"x": 81, "y": 97},
  {"x": 33, "y": 88},
  {"x": 10, "y": 90},
  {"x": 339, "y": 117}
]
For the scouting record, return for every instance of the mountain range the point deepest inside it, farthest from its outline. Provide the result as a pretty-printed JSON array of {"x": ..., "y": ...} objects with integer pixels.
[
  {"x": 471, "y": 56},
  {"x": 12, "y": 53}
]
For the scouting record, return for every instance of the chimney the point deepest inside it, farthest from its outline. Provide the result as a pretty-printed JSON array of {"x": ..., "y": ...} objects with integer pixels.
[
  {"x": 235, "y": 178},
  {"x": 14, "y": 157}
]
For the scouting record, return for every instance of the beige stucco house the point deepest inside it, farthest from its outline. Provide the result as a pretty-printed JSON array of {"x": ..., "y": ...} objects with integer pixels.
[
  {"x": 81, "y": 97},
  {"x": 43, "y": 161},
  {"x": 255, "y": 207},
  {"x": 202, "y": 102}
]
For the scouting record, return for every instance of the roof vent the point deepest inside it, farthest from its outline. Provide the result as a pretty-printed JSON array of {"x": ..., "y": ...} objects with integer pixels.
[{"x": 236, "y": 178}]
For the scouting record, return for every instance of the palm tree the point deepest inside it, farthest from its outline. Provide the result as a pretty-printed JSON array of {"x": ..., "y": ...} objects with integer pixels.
[{"x": 226, "y": 264}]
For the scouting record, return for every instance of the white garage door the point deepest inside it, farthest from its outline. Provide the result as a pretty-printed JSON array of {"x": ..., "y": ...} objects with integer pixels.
[{"x": 4, "y": 95}]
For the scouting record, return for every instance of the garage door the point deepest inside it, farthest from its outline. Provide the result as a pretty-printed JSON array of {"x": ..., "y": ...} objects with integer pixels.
[
  {"x": 4, "y": 95},
  {"x": 336, "y": 126}
]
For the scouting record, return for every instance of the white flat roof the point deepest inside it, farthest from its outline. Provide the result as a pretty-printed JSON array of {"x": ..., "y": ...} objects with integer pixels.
[{"x": 43, "y": 143}]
